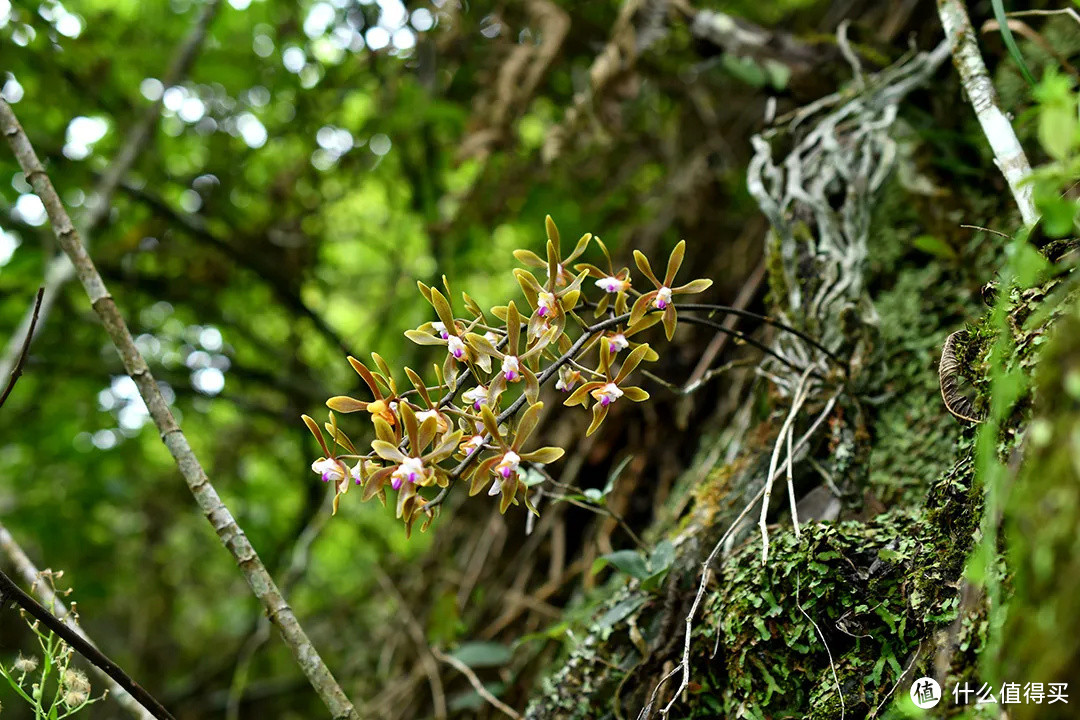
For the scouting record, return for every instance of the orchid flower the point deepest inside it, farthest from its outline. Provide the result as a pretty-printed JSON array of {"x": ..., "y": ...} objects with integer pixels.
[
  {"x": 611, "y": 282},
  {"x": 556, "y": 265},
  {"x": 332, "y": 468},
  {"x": 419, "y": 468},
  {"x": 502, "y": 469},
  {"x": 514, "y": 364},
  {"x": 446, "y": 332},
  {"x": 383, "y": 406},
  {"x": 614, "y": 342},
  {"x": 558, "y": 295},
  {"x": 611, "y": 389},
  {"x": 568, "y": 378},
  {"x": 661, "y": 298}
]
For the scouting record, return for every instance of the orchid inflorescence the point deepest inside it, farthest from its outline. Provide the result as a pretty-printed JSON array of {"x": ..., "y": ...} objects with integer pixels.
[{"x": 426, "y": 437}]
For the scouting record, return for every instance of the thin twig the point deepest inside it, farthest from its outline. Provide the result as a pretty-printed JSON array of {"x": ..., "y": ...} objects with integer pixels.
[
  {"x": 1008, "y": 153},
  {"x": 832, "y": 665},
  {"x": 986, "y": 229},
  {"x": 10, "y": 591},
  {"x": 219, "y": 516},
  {"x": 32, "y": 577},
  {"x": 16, "y": 372},
  {"x": 475, "y": 682}
]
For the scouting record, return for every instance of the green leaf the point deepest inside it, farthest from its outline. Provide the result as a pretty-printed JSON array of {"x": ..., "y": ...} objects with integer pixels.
[
  {"x": 763, "y": 631},
  {"x": 1010, "y": 41},
  {"x": 619, "y": 612},
  {"x": 483, "y": 654},
  {"x": 628, "y": 561},
  {"x": 934, "y": 246},
  {"x": 662, "y": 556},
  {"x": 471, "y": 700},
  {"x": 533, "y": 477},
  {"x": 744, "y": 69},
  {"x": 1057, "y": 213},
  {"x": 654, "y": 581},
  {"x": 1057, "y": 130},
  {"x": 778, "y": 73},
  {"x": 615, "y": 473},
  {"x": 551, "y": 632}
]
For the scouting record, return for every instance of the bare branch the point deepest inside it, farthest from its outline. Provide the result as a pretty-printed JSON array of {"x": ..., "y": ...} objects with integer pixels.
[
  {"x": 475, "y": 682},
  {"x": 17, "y": 370},
  {"x": 230, "y": 534}
]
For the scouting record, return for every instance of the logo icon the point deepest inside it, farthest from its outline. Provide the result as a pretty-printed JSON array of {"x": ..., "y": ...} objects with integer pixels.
[{"x": 925, "y": 693}]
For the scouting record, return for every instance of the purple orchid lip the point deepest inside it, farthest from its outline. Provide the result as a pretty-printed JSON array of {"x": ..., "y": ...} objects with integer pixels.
[
  {"x": 476, "y": 406},
  {"x": 458, "y": 353},
  {"x": 542, "y": 311},
  {"x": 412, "y": 477},
  {"x": 506, "y": 472},
  {"x": 510, "y": 375},
  {"x": 605, "y": 401},
  {"x": 326, "y": 476},
  {"x": 395, "y": 483}
]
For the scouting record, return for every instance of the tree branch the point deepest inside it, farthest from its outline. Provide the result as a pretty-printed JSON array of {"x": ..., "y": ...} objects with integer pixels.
[
  {"x": 1008, "y": 154},
  {"x": 17, "y": 371},
  {"x": 232, "y": 537}
]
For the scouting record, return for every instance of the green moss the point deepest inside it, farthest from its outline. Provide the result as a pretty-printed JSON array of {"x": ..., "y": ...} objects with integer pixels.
[{"x": 873, "y": 590}]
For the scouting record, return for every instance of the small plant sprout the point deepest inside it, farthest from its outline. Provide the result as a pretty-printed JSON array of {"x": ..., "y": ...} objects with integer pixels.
[
  {"x": 661, "y": 298},
  {"x": 473, "y": 421}
]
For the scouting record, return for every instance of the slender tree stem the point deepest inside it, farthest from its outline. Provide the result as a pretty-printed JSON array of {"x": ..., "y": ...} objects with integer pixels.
[
  {"x": 230, "y": 534},
  {"x": 16, "y": 372},
  {"x": 9, "y": 590}
]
